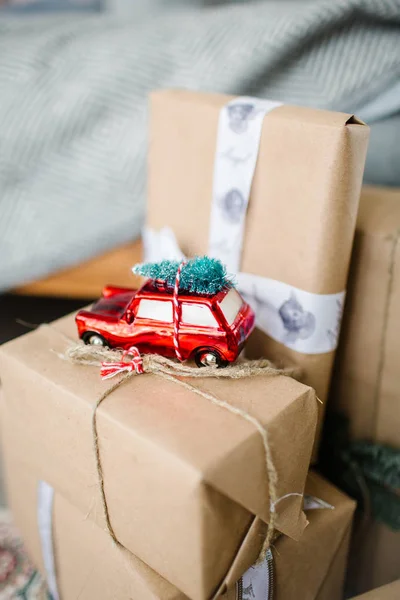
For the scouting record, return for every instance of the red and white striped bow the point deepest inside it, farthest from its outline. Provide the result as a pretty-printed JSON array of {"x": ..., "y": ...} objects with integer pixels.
[
  {"x": 176, "y": 311},
  {"x": 110, "y": 369}
]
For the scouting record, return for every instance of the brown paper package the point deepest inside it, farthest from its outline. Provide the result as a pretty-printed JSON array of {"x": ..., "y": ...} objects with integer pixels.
[
  {"x": 374, "y": 558},
  {"x": 90, "y": 566},
  {"x": 315, "y": 566},
  {"x": 367, "y": 377},
  {"x": 366, "y": 383},
  {"x": 185, "y": 481},
  {"x": 303, "y": 205},
  {"x": 386, "y": 592}
]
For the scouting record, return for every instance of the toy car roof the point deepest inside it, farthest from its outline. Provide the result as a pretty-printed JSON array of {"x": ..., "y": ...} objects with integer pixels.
[{"x": 160, "y": 288}]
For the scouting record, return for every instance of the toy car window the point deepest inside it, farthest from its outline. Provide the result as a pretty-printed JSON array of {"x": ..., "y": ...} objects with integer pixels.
[
  {"x": 230, "y": 305},
  {"x": 159, "y": 310},
  {"x": 198, "y": 314}
]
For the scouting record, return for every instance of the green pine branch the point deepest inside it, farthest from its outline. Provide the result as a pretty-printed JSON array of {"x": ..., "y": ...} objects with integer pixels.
[{"x": 200, "y": 275}]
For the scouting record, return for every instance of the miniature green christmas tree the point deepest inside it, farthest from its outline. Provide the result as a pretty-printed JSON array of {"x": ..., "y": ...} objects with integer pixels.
[{"x": 200, "y": 275}]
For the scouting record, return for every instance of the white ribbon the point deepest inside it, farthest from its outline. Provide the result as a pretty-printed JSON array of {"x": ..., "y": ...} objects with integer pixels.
[
  {"x": 45, "y": 503},
  {"x": 238, "y": 140}
]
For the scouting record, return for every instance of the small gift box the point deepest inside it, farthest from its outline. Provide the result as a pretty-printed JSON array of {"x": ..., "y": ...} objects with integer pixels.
[
  {"x": 313, "y": 568},
  {"x": 367, "y": 378},
  {"x": 271, "y": 190},
  {"x": 183, "y": 474},
  {"x": 80, "y": 560}
]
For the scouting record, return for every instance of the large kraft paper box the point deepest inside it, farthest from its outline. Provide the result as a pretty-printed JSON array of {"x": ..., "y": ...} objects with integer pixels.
[
  {"x": 88, "y": 565},
  {"x": 301, "y": 215},
  {"x": 366, "y": 385},
  {"x": 185, "y": 481},
  {"x": 386, "y": 592},
  {"x": 374, "y": 558}
]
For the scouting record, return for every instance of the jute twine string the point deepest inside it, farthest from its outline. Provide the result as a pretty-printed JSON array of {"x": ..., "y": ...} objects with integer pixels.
[{"x": 174, "y": 371}]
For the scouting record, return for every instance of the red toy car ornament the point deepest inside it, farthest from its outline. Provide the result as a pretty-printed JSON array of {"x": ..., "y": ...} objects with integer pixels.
[{"x": 204, "y": 319}]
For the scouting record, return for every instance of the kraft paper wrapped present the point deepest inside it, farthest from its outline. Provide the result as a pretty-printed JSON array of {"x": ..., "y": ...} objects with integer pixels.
[
  {"x": 375, "y": 556},
  {"x": 366, "y": 386},
  {"x": 81, "y": 561},
  {"x": 272, "y": 190},
  {"x": 386, "y": 592},
  {"x": 366, "y": 383},
  {"x": 315, "y": 566},
  {"x": 185, "y": 481}
]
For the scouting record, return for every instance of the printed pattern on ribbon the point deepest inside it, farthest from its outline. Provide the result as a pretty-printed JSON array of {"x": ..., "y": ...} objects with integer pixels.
[
  {"x": 308, "y": 323},
  {"x": 238, "y": 139}
]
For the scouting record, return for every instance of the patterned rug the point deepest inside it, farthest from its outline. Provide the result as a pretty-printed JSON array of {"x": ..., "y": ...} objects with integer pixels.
[{"x": 18, "y": 577}]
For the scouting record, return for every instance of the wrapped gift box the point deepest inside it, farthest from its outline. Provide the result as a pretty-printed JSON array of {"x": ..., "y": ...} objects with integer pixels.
[
  {"x": 314, "y": 568},
  {"x": 367, "y": 377},
  {"x": 295, "y": 236},
  {"x": 88, "y": 565},
  {"x": 81, "y": 560},
  {"x": 185, "y": 481},
  {"x": 374, "y": 557},
  {"x": 386, "y": 592},
  {"x": 366, "y": 384}
]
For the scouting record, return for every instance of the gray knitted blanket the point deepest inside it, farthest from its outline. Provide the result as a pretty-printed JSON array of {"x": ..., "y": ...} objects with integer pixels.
[{"x": 73, "y": 96}]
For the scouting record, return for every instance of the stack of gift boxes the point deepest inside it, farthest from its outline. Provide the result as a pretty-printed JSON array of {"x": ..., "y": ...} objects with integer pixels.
[{"x": 157, "y": 492}]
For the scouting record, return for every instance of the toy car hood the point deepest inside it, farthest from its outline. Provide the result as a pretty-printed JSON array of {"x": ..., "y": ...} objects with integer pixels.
[{"x": 114, "y": 302}]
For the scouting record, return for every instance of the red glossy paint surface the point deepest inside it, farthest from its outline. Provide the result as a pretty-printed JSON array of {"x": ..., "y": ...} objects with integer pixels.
[{"x": 115, "y": 318}]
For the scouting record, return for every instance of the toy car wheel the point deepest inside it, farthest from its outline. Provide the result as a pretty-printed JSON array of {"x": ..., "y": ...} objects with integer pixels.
[
  {"x": 208, "y": 357},
  {"x": 94, "y": 339}
]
